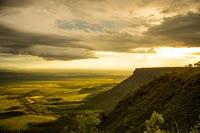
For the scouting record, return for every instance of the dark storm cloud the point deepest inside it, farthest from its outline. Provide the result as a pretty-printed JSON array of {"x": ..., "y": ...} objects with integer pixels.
[
  {"x": 183, "y": 29},
  {"x": 15, "y": 3},
  {"x": 12, "y": 38},
  {"x": 180, "y": 30},
  {"x": 51, "y": 47}
]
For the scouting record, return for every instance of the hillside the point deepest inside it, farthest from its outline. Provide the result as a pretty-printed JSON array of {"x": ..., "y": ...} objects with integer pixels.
[
  {"x": 176, "y": 96},
  {"x": 109, "y": 99}
]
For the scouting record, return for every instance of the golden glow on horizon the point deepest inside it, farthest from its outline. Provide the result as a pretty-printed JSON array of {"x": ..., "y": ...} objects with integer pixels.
[
  {"x": 176, "y": 52},
  {"x": 163, "y": 56}
]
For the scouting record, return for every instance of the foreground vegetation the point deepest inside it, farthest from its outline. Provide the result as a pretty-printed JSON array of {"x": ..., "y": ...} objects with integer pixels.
[{"x": 156, "y": 121}]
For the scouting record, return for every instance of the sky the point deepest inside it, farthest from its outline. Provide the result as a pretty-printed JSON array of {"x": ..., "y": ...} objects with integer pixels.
[{"x": 98, "y": 34}]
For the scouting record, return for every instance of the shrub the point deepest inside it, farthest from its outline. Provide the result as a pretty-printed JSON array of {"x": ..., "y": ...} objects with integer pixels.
[
  {"x": 153, "y": 124},
  {"x": 88, "y": 123}
]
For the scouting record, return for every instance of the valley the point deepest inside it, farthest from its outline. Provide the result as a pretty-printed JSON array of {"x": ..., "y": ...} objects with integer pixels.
[
  {"x": 29, "y": 99},
  {"x": 99, "y": 102}
]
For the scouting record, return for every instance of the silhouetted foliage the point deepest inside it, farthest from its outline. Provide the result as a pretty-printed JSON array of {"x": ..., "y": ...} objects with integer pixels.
[
  {"x": 153, "y": 124},
  {"x": 197, "y": 64}
]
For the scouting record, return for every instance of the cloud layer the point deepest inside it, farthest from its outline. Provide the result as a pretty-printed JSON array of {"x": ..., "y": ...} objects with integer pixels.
[
  {"x": 184, "y": 29},
  {"x": 50, "y": 47},
  {"x": 71, "y": 30}
]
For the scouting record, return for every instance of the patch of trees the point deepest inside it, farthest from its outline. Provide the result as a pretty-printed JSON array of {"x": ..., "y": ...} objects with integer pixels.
[
  {"x": 156, "y": 121},
  {"x": 193, "y": 65}
]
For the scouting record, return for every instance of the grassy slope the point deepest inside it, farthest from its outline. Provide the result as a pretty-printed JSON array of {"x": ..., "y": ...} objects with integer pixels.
[
  {"x": 176, "y": 96},
  {"x": 109, "y": 99}
]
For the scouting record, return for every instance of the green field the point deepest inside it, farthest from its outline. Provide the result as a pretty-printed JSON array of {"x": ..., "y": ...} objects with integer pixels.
[{"x": 30, "y": 99}]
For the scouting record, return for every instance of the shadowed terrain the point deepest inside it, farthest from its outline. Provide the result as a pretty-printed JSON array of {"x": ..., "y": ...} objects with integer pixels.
[
  {"x": 109, "y": 99},
  {"x": 175, "y": 95}
]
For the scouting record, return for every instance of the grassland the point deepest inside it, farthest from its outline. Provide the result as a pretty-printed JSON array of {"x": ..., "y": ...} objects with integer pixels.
[{"x": 30, "y": 99}]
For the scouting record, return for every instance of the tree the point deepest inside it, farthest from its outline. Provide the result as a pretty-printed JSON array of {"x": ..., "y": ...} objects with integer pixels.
[
  {"x": 153, "y": 124},
  {"x": 190, "y": 65},
  {"x": 197, "y": 64}
]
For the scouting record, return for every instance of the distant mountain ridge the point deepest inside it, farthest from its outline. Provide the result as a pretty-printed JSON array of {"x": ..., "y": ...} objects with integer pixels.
[{"x": 109, "y": 99}]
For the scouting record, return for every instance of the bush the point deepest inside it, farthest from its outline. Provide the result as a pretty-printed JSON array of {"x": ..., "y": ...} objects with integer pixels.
[
  {"x": 88, "y": 123},
  {"x": 153, "y": 124}
]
